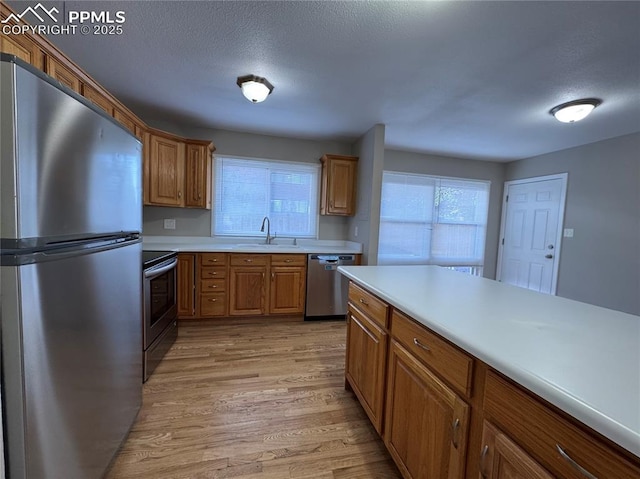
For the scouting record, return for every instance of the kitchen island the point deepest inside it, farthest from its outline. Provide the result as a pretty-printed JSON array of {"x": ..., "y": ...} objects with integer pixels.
[{"x": 580, "y": 361}]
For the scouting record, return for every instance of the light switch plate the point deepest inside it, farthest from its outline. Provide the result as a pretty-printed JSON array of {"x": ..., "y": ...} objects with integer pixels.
[
  {"x": 568, "y": 233},
  {"x": 169, "y": 224}
]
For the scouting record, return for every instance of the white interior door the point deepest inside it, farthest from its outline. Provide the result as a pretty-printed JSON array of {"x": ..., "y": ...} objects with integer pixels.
[{"x": 532, "y": 217}]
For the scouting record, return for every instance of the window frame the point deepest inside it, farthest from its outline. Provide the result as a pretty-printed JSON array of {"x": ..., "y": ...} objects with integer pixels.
[
  {"x": 474, "y": 267},
  {"x": 301, "y": 165}
]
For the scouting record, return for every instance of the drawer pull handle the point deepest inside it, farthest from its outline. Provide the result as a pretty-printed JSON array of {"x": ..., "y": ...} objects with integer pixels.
[
  {"x": 213, "y": 261},
  {"x": 483, "y": 458},
  {"x": 213, "y": 286},
  {"x": 212, "y": 274},
  {"x": 213, "y": 300},
  {"x": 288, "y": 260},
  {"x": 248, "y": 260},
  {"x": 363, "y": 301},
  {"x": 417, "y": 342},
  {"x": 574, "y": 464},
  {"x": 455, "y": 427}
]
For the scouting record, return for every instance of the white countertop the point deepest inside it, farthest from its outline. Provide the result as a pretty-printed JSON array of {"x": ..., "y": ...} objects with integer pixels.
[
  {"x": 248, "y": 245},
  {"x": 584, "y": 359}
]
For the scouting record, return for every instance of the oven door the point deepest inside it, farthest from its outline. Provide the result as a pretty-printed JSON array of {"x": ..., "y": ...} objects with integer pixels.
[{"x": 160, "y": 305}]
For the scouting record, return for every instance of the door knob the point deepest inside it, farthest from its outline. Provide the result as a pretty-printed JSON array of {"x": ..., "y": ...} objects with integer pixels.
[{"x": 548, "y": 256}]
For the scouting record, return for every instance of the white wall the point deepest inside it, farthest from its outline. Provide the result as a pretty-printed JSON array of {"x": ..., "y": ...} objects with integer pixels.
[
  {"x": 601, "y": 263},
  {"x": 370, "y": 150}
]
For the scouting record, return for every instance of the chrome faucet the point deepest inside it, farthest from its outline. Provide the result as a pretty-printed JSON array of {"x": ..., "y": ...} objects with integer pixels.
[{"x": 269, "y": 237}]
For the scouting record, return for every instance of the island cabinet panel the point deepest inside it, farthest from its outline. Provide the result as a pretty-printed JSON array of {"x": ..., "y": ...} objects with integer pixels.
[
  {"x": 443, "y": 358},
  {"x": 376, "y": 309},
  {"x": 366, "y": 363},
  {"x": 426, "y": 424},
  {"x": 565, "y": 449},
  {"x": 186, "y": 285},
  {"x": 501, "y": 458}
]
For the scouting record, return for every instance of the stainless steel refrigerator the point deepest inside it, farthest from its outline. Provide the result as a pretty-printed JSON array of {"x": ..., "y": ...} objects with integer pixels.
[{"x": 71, "y": 280}]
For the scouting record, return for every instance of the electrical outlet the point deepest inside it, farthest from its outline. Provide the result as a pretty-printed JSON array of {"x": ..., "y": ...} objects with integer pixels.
[{"x": 170, "y": 224}]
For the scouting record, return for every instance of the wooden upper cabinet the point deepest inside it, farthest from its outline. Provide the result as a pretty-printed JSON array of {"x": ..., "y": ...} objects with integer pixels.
[
  {"x": 501, "y": 458},
  {"x": 97, "y": 98},
  {"x": 22, "y": 46},
  {"x": 198, "y": 174},
  {"x": 63, "y": 74},
  {"x": 129, "y": 122},
  {"x": 165, "y": 171},
  {"x": 338, "y": 190},
  {"x": 426, "y": 425}
]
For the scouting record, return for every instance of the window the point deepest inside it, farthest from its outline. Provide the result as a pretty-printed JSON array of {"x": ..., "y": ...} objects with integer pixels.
[
  {"x": 430, "y": 220},
  {"x": 248, "y": 190}
]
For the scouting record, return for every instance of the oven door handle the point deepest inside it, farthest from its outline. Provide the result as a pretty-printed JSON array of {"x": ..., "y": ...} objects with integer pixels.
[{"x": 155, "y": 272}]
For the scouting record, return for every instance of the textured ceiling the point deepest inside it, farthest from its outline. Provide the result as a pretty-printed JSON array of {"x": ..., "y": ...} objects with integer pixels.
[{"x": 466, "y": 79}]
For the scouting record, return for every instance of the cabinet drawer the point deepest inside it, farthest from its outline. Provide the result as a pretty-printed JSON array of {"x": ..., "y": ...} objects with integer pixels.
[
  {"x": 541, "y": 432},
  {"x": 249, "y": 259},
  {"x": 288, "y": 259},
  {"x": 213, "y": 285},
  {"x": 449, "y": 362},
  {"x": 213, "y": 259},
  {"x": 374, "y": 308},
  {"x": 213, "y": 272},
  {"x": 212, "y": 304}
]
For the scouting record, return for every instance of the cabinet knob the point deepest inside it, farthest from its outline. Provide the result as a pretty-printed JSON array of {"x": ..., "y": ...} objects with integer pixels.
[
  {"x": 248, "y": 260},
  {"x": 213, "y": 274},
  {"x": 199, "y": 197},
  {"x": 213, "y": 261},
  {"x": 213, "y": 300},
  {"x": 213, "y": 286},
  {"x": 288, "y": 260},
  {"x": 179, "y": 194},
  {"x": 363, "y": 301}
]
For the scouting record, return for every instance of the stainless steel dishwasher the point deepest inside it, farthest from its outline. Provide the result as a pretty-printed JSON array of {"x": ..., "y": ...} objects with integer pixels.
[{"x": 327, "y": 290}]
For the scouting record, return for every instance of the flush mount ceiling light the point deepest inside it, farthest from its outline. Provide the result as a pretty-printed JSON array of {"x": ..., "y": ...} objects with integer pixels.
[
  {"x": 574, "y": 110},
  {"x": 255, "y": 89}
]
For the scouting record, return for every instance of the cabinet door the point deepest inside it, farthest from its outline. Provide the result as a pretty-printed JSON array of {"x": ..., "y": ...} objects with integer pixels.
[
  {"x": 365, "y": 364},
  {"x": 503, "y": 459},
  {"x": 287, "y": 291},
  {"x": 247, "y": 290},
  {"x": 128, "y": 122},
  {"x": 186, "y": 285},
  {"x": 22, "y": 47},
  {"x": 338, "y": 185},
  {"x": 426, "y": 422},
  {"x": 63, "y": 74},
  {"x": 97, "y": 98},
  {"x": 166, "y": 171},
  {"x": 198, "y": 172}
]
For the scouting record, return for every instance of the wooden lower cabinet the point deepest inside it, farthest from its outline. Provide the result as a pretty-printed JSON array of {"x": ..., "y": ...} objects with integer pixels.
[
  {"x": 186, "y": 285},
  {"x": 248, "y": 290},
  {"x": 448, "y": 415},
  {"x": 288, "y": 283},
  {"x": 501, "y": 458},
  {"x": 426, "y": 423},
  {"x": 366, "y": 363}
]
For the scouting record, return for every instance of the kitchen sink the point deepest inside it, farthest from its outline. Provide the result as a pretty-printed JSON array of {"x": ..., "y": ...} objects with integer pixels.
[{"x": 259, "y": 246}]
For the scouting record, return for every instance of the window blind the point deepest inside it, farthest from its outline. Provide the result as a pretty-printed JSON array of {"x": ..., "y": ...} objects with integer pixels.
[
  {"x": 248, "y": 190},
  {"x": 432, "y": 220}
]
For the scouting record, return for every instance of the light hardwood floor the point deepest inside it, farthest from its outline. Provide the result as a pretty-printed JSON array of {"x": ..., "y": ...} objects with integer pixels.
[{"x": 253, "y": 399}]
